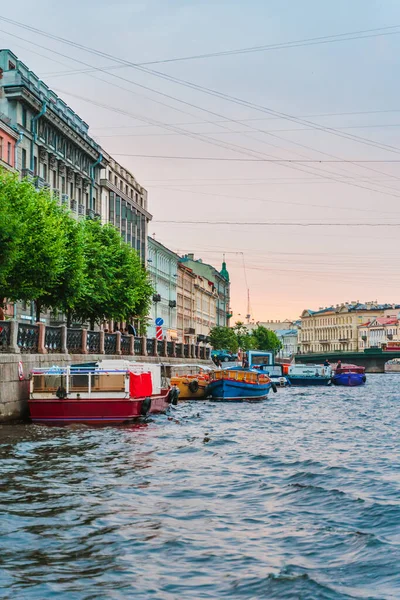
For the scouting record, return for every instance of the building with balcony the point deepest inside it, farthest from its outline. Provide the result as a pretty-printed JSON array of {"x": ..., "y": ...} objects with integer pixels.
[
  {"x": 186, "y": 301},
  {"x": 205, "y": 315},
  {"x": 289, "y": 341},
  {"x": 124, "y": 204},
  {"x": 335, "y": 328},
  {"x": 221, "y": 283},
  {"x": 54, "y": 147},
  {"x": 377, "y": 333},
  {"x": 8, "y": 141},
  {"x": 163, "y": 269}
]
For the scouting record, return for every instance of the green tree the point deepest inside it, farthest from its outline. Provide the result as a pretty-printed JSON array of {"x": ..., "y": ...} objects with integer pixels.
[
  {"x": 266, "y": 340},
  {"x": 38, "y": 261},
  {"x": 244, "y": 338},
  {"x": 223, "y": 338},
  {"x": 115, "y": 283},
  {"x": 9, "y": 232}
]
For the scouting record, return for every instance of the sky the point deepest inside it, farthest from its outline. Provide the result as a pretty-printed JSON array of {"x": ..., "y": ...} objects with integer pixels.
[{"x": 295, "y": 234}]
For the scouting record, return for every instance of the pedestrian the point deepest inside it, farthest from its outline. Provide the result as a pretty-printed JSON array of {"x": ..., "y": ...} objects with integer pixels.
[
  {"x": 219, "y": 363},
  {"x": 339, "y": 365},
  {"x": 131, "y": 330},
  {"x": 326, "y": 363},
  {"x": 245, "y": 363}
]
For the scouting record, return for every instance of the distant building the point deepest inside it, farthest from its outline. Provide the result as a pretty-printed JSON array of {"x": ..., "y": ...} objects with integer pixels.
[
  {"x": 163, "y": 269},
  {"x": 220, "y": 280},
  {"x": 124, "y": 204},
  {"x": 272, "y": 325},
  {"x": 378, "y": 332},
  {"x": 289, "y": 341},
  {"x": 186, "y": 301},
  {"x": 335, "y": 328}
]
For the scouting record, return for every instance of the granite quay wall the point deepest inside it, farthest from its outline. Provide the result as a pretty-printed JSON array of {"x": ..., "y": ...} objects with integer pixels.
[{"x": 14, "y": 392}]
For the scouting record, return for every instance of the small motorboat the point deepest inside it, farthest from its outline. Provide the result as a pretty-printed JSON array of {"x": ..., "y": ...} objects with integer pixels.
[
  {"x": 304, "y": 375},
  {"x": 392, "y": 366},
  {"x": 349, "y": 375},
  {"x": 238, "y": 384},
  {"x": 191, "y": 380},
  {"x": 101, "y": 394}
]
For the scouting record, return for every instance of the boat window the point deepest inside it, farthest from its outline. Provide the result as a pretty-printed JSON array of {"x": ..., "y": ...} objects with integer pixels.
[
  {"x": 47, "y": 383},
  {"x": 108, "y": 382}
]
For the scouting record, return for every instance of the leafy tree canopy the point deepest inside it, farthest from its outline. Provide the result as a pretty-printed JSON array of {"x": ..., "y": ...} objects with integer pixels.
[
  {"x": 264, "y": 339},
  {"x": 224, "y": 338}
]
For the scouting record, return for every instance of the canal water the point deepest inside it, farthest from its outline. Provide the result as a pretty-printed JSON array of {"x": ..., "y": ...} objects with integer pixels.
[{"x": 294, "y": 498}]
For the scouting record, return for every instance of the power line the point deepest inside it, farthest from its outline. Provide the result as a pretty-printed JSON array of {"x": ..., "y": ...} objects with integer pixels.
[
  {"x": 277, "y": 224},
  {"x": 205, "y": 138},
  {"x": 272, "y": 160}
]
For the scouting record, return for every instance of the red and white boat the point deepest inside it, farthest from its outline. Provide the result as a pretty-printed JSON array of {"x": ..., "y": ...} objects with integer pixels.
[{"x": 105, "y": 393}]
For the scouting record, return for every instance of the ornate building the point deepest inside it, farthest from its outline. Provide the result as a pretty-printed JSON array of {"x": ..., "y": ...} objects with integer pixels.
[
  {"x": 221, "y": 283},
  {"x": 163, "y": 268},
  {"x": 335, "y": 328},
  {"x": 186, "y": 304},
  {"x": 124, "y": 204},
  {"x": 54, "y": 148}
]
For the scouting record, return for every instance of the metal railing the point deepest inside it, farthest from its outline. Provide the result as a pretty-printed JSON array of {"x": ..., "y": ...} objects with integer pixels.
[
  {"x": 5, "y": 335},
  {"x": 53, "y": 339},
  {"x": 41, "y": 338},
  {"x": 28, "y": 337}
]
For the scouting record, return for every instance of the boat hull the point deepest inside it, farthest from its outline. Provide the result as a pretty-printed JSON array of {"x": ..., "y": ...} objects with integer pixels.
[
  {"x": 94, "y": 411},
  {"x": 223, "y": 390},
  {"x": 306, "y": 381},
  {"x": 349, "y": 379},
  {"x": 185, "y": 393}
]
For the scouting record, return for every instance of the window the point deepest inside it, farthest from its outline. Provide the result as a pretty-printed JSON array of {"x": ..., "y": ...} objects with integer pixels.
[
  {"x": 1, "y": 147},
  {"x": 11, "y": 66},
  {"x": 23, "y": 158},
  {"x": 63, "y": 185},
  {"x": 9, "y": 160},
  {"x": 71, "y": 190},
  {"x": 45, "y": 172},
  {"x": 24, "y": 117},
  {"x": 35, "y": 165},
  {"x": 55, "y": 179}
]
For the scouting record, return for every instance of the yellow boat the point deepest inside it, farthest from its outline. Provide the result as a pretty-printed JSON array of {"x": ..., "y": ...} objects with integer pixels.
[{"x": 192, "y": 385}]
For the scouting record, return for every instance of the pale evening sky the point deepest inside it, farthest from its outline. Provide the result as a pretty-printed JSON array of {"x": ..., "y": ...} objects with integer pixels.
[{"x": 348, "y": 88}]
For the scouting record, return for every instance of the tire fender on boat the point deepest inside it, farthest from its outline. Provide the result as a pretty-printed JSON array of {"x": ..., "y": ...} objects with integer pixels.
[
  {"x": 146, "y": 406},
  {"x": 173, "y": 396},
  {"x": 194, "y": 386},
  {"x": 274, "y": 388}
]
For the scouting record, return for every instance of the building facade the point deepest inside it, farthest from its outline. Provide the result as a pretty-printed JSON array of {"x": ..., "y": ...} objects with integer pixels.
[
  {"x": 206, "y": 300},
  {"x": 220, "y": 280},
  {"x": 163, "y": 269},
  {"x": 271, "y": 325},
  {"x": 54, "y": 147},
  {"x": 124, "y": 205},
  {"x": 289, "y": 341},
  {"x": 335, "y": 328},
  {"x": 186, "y": 302},
  {"x": 8, "y": 140},
  {"x": 378, "y": 333}
]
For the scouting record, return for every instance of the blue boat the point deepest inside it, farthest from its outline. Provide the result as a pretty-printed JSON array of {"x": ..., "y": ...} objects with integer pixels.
[
  {"x": 349, "y": 375},
  {"x": 305, "y": 375},
  {"x": 238, "y": 384}
]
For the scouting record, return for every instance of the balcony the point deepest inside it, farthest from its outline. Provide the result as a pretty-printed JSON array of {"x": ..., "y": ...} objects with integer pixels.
[
  {"x": 27, "y": 174},
  {"x": 39, "y": 182},
  {"x": 89, "y": 212},
  {"x": 64, "y": 199},
  {"x": 73, "y": 205}
]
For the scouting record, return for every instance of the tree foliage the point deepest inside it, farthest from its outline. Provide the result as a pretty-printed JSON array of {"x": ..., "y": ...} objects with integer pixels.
[
  {"x": 223, "y": 338},
  {"x": 244, "y": 338},
  {"x": 78, "y": 267},
  {"x": 265, "y": 339}
]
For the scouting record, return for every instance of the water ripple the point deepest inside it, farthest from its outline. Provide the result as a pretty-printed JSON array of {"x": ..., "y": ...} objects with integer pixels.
[{"x": 295, "y": 498}]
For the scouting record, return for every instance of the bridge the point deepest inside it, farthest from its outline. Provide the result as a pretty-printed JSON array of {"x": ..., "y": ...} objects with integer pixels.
[{"x": 373, "y": 359}]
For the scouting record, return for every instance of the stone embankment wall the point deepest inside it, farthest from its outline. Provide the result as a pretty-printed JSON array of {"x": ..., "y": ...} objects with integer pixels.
[{"x": 14, "y": 393}]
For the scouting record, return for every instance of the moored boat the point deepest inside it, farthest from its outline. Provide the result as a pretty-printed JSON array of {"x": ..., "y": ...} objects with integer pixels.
[
  {"x": 192, "y": 382},
  {"x": 349, "y": 375},
  {"x": 392, "y": 366},
  {"x": 98, "y": 395},
  {"x": 304, "y": 375},
  {"x": 237, "y": 384}
]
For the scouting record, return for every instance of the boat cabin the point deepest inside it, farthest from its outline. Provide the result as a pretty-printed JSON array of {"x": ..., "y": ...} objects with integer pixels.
[
  {"x": 260, "y": 360},
  {"x": 309, "y": 371}
]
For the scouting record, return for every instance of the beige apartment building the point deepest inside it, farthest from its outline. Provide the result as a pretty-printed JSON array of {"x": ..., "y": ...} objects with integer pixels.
[
  {"x": 206, "y": 298},
  {"x": 379, "y": 332},
  {"x": 335, "y": 328},
  {"x": 185, "y": 299}
]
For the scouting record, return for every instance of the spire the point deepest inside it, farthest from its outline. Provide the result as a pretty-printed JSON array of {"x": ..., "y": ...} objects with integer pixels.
[{"x": 224, "y": 271}]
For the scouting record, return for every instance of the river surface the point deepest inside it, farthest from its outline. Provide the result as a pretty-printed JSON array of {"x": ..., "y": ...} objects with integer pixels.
[{"x": 293, "y": 498}]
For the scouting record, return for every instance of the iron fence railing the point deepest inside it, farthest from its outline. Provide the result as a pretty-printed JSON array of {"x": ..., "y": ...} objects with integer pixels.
[
  {"x": 110, "y": 343},
  {"x": 28, "y": 337},
  {"x": 53, "y": 339},
  {"x": 150, "y": 347},
  {"x": 93, "y": 342},
  {"x": 170, "y": 348},
  {"x": 74, "y": 341},
  {"x": 160, "y": 348},
  {"x": 125, "y": 344},
  {"x": 179, "y": 350},
  {"x": 5, "y": 335},
  {"x": 138, "y": 346},
  {"x": 186, "y": 350}
]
